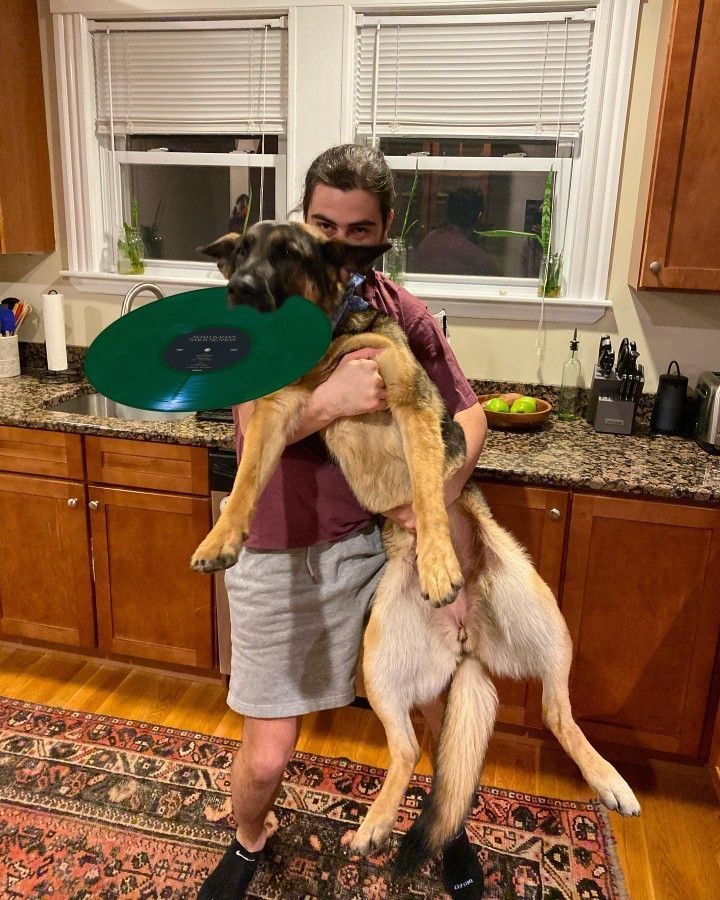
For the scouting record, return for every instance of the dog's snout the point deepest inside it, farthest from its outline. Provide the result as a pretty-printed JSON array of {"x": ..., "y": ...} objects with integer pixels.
[{"x": 248, "y": 289}]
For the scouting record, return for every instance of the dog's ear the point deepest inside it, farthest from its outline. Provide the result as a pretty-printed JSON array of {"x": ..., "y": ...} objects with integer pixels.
[
  {"x": 354, "y": 257},
  {"x": 222, "y": 247}
]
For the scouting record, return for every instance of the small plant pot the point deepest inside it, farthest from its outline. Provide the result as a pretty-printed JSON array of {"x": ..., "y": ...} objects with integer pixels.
[
  {"x": 550, "y": 280},
  {"x": 130, "y": 253},
  {"x": 395, "y": 261}
]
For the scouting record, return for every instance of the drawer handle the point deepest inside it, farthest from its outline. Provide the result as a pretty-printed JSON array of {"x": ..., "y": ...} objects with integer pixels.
[
  {"x": 555, "y": 514},
  {"x": 93, "y": 504},
  {"x": 655, "y": 267},
  {"x": 72, "y": 502}
]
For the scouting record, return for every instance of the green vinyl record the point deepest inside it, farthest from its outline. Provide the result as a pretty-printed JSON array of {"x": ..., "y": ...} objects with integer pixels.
[{"x": 193, "y": 351}]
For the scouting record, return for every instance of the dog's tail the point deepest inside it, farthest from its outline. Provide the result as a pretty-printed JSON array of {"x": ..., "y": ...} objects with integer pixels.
[{"x": 467, "y": 726}]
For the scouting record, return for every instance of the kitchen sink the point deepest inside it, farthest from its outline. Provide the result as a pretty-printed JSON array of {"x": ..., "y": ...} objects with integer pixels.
[{"x": 105, "y": 408}]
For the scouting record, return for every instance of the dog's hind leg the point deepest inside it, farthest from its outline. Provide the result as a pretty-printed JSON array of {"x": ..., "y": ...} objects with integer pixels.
[
  {"x": 272, "y": 421},
  {"x": 519, "y": 632},
  {"x": 602, "y": 777},
  {"x": 407, "y": 662}
]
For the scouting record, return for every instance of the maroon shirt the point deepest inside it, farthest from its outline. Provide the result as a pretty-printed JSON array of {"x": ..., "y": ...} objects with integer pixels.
[{"x": 308, "y": 501}]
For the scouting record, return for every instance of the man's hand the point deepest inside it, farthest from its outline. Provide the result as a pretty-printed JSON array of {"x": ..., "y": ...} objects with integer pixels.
[
  {"x": 355, "y": 387},
  {"x": 402, "y": 515}
]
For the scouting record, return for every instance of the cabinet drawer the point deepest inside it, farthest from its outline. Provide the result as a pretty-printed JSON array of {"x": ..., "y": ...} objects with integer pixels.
[
  {"x": 29, "y": 451},
  {"x": 145, "y": 464}
]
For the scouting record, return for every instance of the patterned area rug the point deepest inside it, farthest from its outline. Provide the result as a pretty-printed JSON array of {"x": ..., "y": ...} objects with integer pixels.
[{"x": 99, "y": 807}]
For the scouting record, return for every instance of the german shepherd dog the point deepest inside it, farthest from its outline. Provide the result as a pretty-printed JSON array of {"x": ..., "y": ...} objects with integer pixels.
[{"x": 424, "y": 632}]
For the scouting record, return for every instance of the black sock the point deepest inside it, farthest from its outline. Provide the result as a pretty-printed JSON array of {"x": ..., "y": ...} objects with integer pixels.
[
  {"x": 232, "y": 876},
  {"x": 462, "y": 873}
]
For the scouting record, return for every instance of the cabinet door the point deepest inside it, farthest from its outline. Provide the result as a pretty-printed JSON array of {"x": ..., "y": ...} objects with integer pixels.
[
  {"x": 45, "y": 582},
  {"x": 642, "y": 600},
  {"x": 150, "y": 604},
  {"x": 537, "y": 517},
  {"x": 677, "y": 246},
  {"x": 715, "y": 753},
  {"x": 26, "y": 212}
]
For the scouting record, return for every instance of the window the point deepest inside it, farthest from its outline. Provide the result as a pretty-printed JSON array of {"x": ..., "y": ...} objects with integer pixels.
[
  {"x": 187, "y": 123},
  {"x": 480, "y": 112},
  {"x": 481, "y": 99}
]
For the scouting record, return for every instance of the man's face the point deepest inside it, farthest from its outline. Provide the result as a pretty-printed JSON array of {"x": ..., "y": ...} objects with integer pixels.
[{"x": 351, "y": 216}]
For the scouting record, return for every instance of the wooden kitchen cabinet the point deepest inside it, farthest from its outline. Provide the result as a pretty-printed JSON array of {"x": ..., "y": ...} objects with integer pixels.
[
  {"x": 26, "y": 213},
  {"x": 676, "y": 246},
  {"x": 150, "y": 604},
  {"x": 537, "y": 517},
  {"x": 132, "y": 583},
  {"x": 714, "y": 762},
  {"x": 642, "y": 600},
  {"x": 45, "y": 585}
]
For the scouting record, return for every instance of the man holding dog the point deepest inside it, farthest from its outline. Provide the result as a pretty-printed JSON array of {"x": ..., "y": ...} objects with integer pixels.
[{"x": 301, "y": 590}]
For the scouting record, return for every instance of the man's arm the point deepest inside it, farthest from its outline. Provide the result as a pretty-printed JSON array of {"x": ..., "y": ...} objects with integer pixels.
[
  {"x": 354, "y": 387},
  {"x": 474, "y": 424}
]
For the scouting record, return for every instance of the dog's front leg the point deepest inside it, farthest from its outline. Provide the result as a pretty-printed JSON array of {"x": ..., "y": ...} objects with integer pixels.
[
  {"x": 272, "y": 420},
  {"x": 438, "y": 566}
]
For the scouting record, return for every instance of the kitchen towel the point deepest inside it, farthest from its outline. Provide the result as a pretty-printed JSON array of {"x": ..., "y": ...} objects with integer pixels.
[
  {"x": 9, "y": 356},
  {"x": 54, "y": 324}
]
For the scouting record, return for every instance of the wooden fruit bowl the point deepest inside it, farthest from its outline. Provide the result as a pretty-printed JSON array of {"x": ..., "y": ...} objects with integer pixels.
[{"x": 516, "y": 420}]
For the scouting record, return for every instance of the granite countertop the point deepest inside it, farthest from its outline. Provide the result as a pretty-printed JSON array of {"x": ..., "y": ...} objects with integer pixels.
[{"x": 561, "y": 454}]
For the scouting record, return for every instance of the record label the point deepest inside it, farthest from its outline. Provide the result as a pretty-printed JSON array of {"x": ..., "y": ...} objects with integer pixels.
[{"x": 207, "y": 350}]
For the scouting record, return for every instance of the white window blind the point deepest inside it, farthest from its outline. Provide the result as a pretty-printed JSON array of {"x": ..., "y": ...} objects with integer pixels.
[
  {"x": 512, "y": 74},
  {"x": 190, "y": 77}
]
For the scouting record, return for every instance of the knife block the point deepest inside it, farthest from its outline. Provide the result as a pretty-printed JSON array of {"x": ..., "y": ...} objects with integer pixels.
[{"x": 606, "y": 412}]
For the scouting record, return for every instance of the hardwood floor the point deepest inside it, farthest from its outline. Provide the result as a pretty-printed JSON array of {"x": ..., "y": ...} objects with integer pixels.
[{"x": 672, "y": 852}]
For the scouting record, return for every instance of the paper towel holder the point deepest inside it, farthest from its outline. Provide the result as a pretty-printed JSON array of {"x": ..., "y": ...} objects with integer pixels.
[{"x": 61, "y": 376}]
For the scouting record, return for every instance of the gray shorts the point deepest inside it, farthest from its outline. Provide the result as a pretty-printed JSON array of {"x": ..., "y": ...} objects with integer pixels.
[{"x": 297, "y": 618}]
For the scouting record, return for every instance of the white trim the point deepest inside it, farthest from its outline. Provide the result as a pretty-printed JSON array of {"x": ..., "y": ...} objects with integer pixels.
[
  {"x": 109, "y": 8},
  {"x": 171, "y": 158},
  {"x": 595, "y": 199},
  {"x": 521, "y": 309},
  {"x": 476, "y": 163},
  {"x": 572, "y": 312},
  {"x": 223, "y": 25},
  {"x": 582, "y": 15}
]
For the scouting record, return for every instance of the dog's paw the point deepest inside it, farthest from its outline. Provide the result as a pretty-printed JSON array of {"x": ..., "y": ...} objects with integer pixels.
[
  {"x": 370, "y": 836},
  {"x": 440, "y": 577},
  {"x": 219, "y": 550},
  {"x": 615, "y": 792}
]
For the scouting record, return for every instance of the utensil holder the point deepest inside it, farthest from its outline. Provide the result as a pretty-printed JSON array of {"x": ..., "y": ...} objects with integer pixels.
[
  {"x": 606, "y": 411},
  {"x": 9, "y": 356}
]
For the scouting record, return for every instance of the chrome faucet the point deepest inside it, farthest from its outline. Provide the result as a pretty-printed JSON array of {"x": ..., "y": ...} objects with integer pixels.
[{"x": 136, "y": 289}]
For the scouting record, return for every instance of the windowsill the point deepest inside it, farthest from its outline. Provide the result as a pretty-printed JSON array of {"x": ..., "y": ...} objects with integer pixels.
[{"x": 459, "y": 301}]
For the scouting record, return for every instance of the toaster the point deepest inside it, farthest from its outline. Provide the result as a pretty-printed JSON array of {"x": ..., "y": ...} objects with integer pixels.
[{"x": 707, "y": 424}]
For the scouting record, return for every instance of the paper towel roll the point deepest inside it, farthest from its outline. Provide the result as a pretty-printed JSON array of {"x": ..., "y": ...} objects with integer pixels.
[{"x": 54, "y": 324}]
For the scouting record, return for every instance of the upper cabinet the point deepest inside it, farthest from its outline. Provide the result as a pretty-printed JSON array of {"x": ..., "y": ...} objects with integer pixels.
[
  {"x": 676, "y": 237},
  {"x": 26, "y": 215}
]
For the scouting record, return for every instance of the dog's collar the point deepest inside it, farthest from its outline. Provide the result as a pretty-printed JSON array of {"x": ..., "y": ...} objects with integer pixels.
[{"x": 350, "y": 303}]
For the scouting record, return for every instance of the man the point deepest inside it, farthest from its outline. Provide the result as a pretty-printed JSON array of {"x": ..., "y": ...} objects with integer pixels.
[{"x": 301, "y": 590}]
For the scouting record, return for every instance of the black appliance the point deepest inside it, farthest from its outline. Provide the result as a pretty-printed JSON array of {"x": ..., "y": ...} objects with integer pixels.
[{"x": 668, "y": 415}]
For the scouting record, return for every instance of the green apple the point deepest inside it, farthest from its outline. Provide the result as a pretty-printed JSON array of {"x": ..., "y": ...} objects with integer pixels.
[
  {"x": 495, "y": 404},
  {"x": 524, "y": 405}
]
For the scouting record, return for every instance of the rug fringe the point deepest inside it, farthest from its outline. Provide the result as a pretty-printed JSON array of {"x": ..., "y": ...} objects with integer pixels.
[{"x": 618, "y": 876}]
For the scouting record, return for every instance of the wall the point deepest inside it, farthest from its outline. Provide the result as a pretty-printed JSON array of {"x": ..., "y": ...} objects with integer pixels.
[{"x": 666, "y": 326}]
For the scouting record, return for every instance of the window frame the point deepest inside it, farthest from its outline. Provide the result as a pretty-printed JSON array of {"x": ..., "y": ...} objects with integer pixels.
[{"x": 616, "y": 27}]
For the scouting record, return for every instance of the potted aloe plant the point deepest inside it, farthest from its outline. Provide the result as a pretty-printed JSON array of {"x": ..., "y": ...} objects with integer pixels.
[{"x": 550, "y": 283}]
